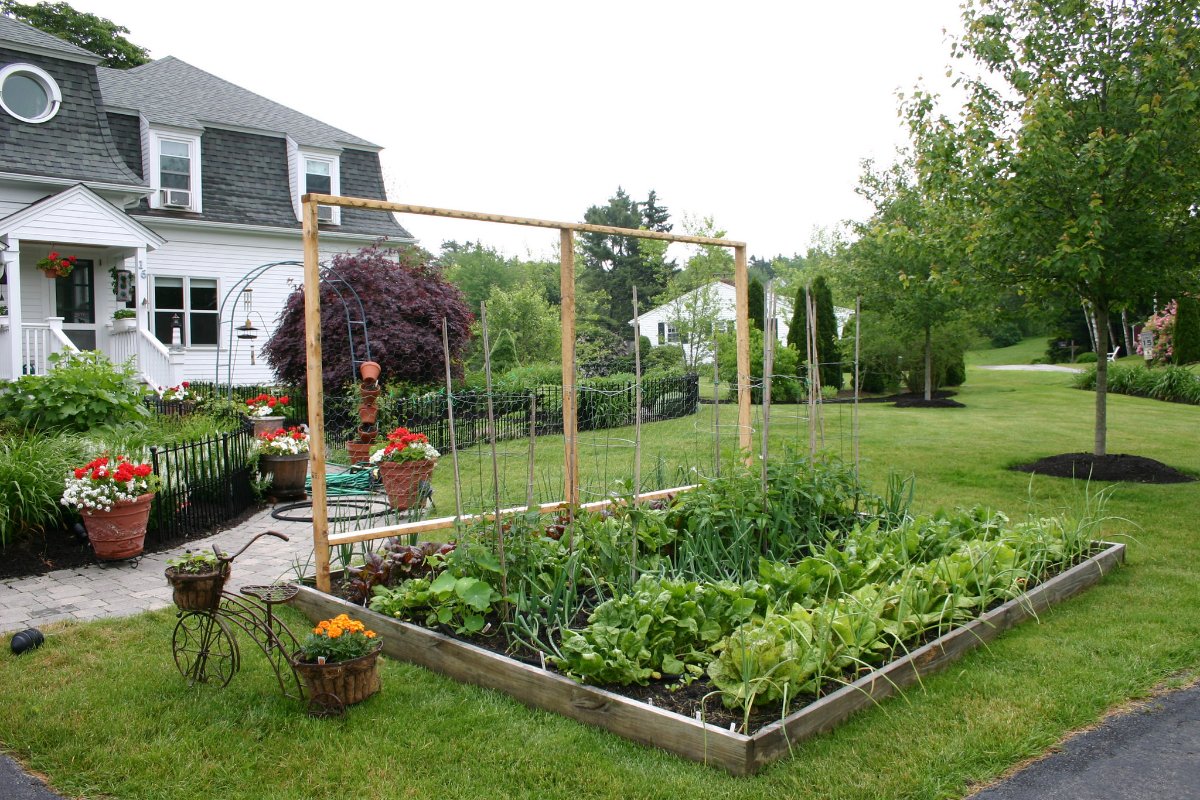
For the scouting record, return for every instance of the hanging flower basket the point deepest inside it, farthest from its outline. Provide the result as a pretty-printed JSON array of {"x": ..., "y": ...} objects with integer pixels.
[{"x": 56, "y": 265}]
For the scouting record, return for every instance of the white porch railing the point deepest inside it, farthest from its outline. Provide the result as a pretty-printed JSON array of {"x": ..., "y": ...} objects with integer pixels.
[
  {"x": 40, "y": 340},
  {"x": 156, "y": 364}
]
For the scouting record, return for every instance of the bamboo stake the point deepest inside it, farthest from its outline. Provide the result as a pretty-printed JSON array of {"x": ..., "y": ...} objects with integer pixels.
[
  {"x": 808, "y": 357},
  {"x": 741, "y": 282},
  {"x": 532, "y": 438},
  {"x": 316, "y": 395},
  {"x": 818, "y": 402},
  {"x": 857, "y": 378},
  {"x": 637, "y": 430},
  {"x": 716, "y": 409},
  {"x": 458, "y": 506},
  {"x": 637, "y": 414},
  {"x": 491, "y": 431},
  {"x": 768, "y": 320}
]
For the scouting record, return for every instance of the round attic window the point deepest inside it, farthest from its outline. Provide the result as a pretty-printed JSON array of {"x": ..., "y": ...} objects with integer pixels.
[{"x": 29, "y": 93}]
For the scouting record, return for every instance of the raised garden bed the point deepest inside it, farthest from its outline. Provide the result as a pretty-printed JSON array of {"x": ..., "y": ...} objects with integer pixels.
[{"x": 739, "y": 753}]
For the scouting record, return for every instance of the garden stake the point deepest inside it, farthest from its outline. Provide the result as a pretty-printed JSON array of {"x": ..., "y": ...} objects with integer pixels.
[
  {"x": 854, "y": 413},
  {"x": 637, "y": 429},
  {"x": 716, "y": 409},
  {"x": 450, "y": 418},
  {"x": 768, "y": 320},
  {"x": 532, "y": 437},
  {"x": 491, "y": 430}
]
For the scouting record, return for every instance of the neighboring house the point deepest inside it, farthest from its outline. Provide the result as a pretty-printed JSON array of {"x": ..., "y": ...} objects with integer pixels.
[
  {"x": 168, "y": 185},
  {"x": 717, "y": 301}
]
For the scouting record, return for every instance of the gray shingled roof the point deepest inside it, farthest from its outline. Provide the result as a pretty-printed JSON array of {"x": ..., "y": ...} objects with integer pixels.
[
  {"x": 172, "y": 92},
  {"x": 20, "y": 36}
]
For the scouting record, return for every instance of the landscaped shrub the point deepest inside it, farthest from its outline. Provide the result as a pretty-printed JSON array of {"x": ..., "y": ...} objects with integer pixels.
[
  {"x": 1173, "y": 384},
  {"x": 1086, "y": 357},
  {"x": 32, "y": 469},
  {"x": 785, "y": 387},
  {"x": 82, "y": 392},
  {"x": 1187, "y": 331}
]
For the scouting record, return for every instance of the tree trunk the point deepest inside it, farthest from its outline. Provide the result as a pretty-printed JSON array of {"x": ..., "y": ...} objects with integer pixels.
[
  {"x": 1100, "y": 446},
  {"x": 928, "y": 363}
]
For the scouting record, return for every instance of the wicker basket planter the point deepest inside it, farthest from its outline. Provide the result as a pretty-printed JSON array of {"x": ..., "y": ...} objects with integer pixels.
[
  {"x": 197, "y": 591},
  {"x": 402, "y": 481},
  {"x": 349, "y": 682}
]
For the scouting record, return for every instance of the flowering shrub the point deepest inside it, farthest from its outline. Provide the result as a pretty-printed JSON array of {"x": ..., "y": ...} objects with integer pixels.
[
  {"x": 104, "y": 483},
  {"x": 1162, "y": 325},
  {"x": 338, "y": 639},
  {"x": 404, "y": 445},
  {"x": 174, "y": 394},
  {"x": 283, "y": 442},
  {"x": 60, "y": 265},
  {"x": 265, "y": 405}
]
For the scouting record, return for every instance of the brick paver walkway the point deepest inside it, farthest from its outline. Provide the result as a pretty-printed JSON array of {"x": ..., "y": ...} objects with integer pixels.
[{"x": 122, "y": 588}]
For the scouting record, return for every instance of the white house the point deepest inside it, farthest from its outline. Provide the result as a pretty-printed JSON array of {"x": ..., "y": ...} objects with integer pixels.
[
  {"x": 662, "y": 324},
  {"x": 167, "y": 185}
]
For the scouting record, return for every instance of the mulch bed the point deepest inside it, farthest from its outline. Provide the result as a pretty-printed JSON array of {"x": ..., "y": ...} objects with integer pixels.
[
  {"x": 920, "y": 402},
  {"x": 1112, "y": 467},
  {"x": 66, "y": 549}
]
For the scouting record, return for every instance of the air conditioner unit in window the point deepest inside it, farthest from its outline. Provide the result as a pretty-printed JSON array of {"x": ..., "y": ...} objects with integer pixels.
[
  {"x": 324, "y": 213},
  {"x": 175, "y": 198}
]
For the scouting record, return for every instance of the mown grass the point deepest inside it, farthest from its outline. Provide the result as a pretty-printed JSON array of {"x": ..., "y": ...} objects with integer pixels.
[{"x": 101, "y": 710}]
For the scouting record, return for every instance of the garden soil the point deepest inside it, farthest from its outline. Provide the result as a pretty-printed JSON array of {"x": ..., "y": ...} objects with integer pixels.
[{"x": 1112, "y": 467}]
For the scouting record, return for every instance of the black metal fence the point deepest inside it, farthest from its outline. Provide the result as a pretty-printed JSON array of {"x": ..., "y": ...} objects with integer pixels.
[
  {"x": 205, "y": 484},
  {"x": 603, "y": 403}
]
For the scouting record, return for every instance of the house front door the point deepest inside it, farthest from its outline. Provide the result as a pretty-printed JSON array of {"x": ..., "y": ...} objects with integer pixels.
[{"x": 75, "y": 302}]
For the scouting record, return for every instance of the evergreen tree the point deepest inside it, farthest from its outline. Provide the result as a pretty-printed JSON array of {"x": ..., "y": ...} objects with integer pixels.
[
  {"x": 1187, "y": 330},
  {"x": 756, "y": 294},
  {"x": 615, "y": 264},
  {"x": 827, "y": 349}
]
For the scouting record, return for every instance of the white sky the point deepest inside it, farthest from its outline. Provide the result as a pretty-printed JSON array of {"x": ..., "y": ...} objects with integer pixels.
[{"x": 755, "y": 113}]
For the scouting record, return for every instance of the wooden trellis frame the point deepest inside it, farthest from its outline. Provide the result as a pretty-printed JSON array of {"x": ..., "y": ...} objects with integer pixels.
[{"x": 567, "y": 231}]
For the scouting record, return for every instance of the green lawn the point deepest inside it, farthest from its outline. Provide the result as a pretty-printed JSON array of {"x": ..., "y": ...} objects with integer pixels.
[{"x": 102, "y": 712}]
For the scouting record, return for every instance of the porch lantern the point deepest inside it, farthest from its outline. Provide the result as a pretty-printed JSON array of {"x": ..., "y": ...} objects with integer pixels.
[{"x": 176, "y": 332}]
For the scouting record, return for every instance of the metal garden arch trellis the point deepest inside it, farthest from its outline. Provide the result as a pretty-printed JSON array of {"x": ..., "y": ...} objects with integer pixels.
[
  {"x": 332, "y": 278},
  {"x": 567, "y": 230}
]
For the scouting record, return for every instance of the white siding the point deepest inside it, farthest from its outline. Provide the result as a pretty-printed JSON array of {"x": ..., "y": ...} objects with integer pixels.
[
  {"x": 228, "y": 256},
  {"x": 84, "y": 221}
]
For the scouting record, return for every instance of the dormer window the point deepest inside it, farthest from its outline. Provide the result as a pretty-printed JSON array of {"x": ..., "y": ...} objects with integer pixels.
[
  {"x": 174, "y": 170},
  {"x": 28, "y": 93},
  {"x": 320, "y": 177},
  {"x": 314, "y": 171}
]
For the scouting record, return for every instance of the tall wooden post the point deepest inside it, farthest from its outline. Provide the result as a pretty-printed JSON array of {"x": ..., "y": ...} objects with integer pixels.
[
  {"x": 566, "y": 257},
  {"x": 316, "y": 394},
  {"x": 741, "y": 284}
]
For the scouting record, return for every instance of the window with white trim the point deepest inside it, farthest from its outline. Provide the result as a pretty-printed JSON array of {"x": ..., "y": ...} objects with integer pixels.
[
  {"x": 174, "y": 171},
  {"x": 321, "y": 176},
  {"x": 189, "y": 302},
  {"x": 28, "y": 93}
]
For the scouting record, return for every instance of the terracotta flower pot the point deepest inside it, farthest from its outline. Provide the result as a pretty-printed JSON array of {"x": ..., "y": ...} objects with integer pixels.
[
  {"x": 197, "y": 591},
  {"x": 349, "y": 681},
  {"x": 51, "y": 273},
  {"x": 369, "y": 370},
  {"x": 369, "y": 399},
  {"x": 368, "y": 413},
  {"x": 367, "y": 432},
  {"x": 287, "y": 475},
  {"x": 359, "y": 451},
  {"x": 121, "y": 532},
  {"x": 402, "y": 481},
  {"x": 263, "y": 425},
  {"x": 369, "y": 391}
]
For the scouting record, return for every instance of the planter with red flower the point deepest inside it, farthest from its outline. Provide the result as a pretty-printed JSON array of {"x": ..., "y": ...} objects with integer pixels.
[
  {"x": 283, "y": 455},
  {"x": 113, "y": 496},
  {"x": 176, "y": 399},
  {"x": 56, "y": 265},
  {"x": 265, "y": 412},
  {"x": 405, "y": 461}
]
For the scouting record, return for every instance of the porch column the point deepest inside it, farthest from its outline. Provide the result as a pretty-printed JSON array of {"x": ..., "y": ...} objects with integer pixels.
[
  {"x": 142, "y": 290},
  {"x": 11, "y": 258}
]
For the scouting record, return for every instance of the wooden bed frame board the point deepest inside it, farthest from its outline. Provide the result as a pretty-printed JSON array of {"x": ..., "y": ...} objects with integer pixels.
[{"x": 691, "y": 738}]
